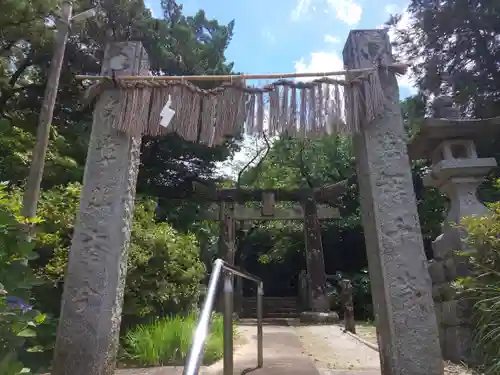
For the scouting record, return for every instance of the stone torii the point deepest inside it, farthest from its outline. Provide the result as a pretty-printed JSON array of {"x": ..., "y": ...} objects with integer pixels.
[
  {"x": 88, "y": 332},
  {"x": 230, "y": 208}
]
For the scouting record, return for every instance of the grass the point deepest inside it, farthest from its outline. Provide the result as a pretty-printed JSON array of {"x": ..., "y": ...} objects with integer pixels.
[
  {"x": 166, "y": 342},
  {"x": 486, "y": 340}
]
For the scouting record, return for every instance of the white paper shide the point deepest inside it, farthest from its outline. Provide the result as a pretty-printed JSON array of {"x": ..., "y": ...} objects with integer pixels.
[{"x": 167, "y": 113}]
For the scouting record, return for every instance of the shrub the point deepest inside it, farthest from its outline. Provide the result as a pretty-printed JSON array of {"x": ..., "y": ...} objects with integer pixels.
[
  {"x": 362, "y": 298},
  {"x": 164, "y": 269},
  {"x": 18, "y": 320},
  {"x": 483, "y": 286},
  {"x": 167, "y": 341}
]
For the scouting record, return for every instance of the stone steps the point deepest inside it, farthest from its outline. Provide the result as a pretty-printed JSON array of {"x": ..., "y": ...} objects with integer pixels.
[{"x": 273, "y": 307}]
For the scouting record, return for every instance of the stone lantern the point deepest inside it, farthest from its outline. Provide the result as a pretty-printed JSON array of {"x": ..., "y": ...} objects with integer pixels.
[{"x": 457, "y": 171}]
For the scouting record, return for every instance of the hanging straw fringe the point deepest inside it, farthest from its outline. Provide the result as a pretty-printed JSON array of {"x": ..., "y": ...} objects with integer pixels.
[
  {"x": 292, "y": 127},
  {"x": 251, "y": 115},
  {"x": 284, "y": 111},
  {"x": 320, "y": 110},
  {"x": 134, "y": 110},
  {"x": 303, "y": 109},
  {"x": 260, "y": 113},
  {"x": 206, "y": 131}
]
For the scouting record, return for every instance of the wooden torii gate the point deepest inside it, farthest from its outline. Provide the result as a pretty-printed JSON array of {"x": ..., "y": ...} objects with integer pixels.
[{"x": 230, "y": 208}]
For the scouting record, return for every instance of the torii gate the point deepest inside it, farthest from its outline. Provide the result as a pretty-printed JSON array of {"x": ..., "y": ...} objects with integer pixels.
[
  {"x": 87, "y": 338},
  {"x": 230, "y": 208}
]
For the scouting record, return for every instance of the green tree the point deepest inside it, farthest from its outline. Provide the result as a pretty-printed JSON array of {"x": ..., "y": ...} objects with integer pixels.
[
  {"x": 293, "y": 163},
  {"x": 454, "y": 48},
  {"x": 164, "y": 267},
  {"x": 176, "y": 45},
  {"x": 18, "y": 320}
]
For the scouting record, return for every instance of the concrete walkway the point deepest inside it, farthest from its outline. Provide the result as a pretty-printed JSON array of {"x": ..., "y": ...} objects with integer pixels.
[{"x": 283, "y": 353}]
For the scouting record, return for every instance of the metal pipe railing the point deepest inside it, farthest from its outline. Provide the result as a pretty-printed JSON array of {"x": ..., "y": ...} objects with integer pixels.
[{"x": 193, "y": 362}]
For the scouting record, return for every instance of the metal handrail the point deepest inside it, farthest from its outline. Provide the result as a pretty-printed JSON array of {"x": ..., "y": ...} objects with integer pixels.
[{"x": 193, "y": 362}]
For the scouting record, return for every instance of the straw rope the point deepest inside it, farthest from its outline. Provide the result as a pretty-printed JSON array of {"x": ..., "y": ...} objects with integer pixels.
[
  {"x": 210, "y": 116},
  {"x": 243, "y": 77}
]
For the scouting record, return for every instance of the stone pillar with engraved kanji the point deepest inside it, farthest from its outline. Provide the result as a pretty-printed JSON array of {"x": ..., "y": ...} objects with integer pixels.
[
  {"x": 89, "y": 324},
  {"x": 401, "y": 286}
]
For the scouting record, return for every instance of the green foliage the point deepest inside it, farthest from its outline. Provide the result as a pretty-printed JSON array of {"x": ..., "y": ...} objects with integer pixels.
[
  {"x": 454, "y": 48},
  {"x": 16, "y": 146},
  {"x": 431, "y": 203},
  {"x": 361, "y": 293},
  {"x": 294, "y": 163},
  {"x": 18, "y": 321},
  {"x": 164, "y": 268},
  {"x": 483, "y": 286},
  {"x": 167, "y": 341},
  {"x": 176, "y": 44}
]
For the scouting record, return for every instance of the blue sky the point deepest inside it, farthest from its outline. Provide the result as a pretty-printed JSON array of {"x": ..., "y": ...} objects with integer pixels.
[{"x": 283, "y": 36}]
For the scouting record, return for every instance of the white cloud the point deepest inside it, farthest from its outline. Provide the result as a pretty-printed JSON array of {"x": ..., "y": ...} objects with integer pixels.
[
  {"x": 348, "y": 11},
  {"x": 331, "y": 39},
  {"x": 391, "y": 8},
  {"x": 324, "y": 61},
  {"x": 319, "y": 62},
  {"x": 300, "y": 9},
  {"x": 268, "y": 36}
]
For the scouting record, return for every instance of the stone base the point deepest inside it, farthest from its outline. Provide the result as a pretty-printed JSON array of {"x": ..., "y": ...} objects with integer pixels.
[
  {"x": 313, "y": 317},
  {"x": 457, "y": 344}
]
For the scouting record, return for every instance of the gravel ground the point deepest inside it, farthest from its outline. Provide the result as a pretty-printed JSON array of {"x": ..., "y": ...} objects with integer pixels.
[
  {"x": 368, "y": 333},
  {"x": 332, "y": 350}
]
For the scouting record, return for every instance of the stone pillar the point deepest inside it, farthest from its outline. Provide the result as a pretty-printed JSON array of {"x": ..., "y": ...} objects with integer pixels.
[
  {"x": 238, "y": 296},
  {"x": 303, "y": 291},
  {"x": 88, "y": 332},
  {"x": 227, "y": 237},
  {"x": 457, "y": 172},
  {"x": 315, "y": 262},
  {"x": 238, "y": 282},
  {"x": 401, "y": 286},
  {"x": 348, "y": 305},
  {"x": 227, "y": 232}
]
